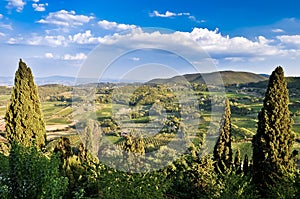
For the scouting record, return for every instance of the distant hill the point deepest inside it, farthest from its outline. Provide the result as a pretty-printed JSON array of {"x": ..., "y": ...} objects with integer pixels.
[
  {"x": 63, "y": 80},
  {"x": 292, "y": 83},
  {"x": 228, "y": 77},
  {"x": 9, "y": 81}
]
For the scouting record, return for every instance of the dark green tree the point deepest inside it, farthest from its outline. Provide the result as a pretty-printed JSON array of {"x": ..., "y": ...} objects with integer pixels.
[
  {"x": 222, "y": 149},
  {"x": 34, "y": 175},
  {"x": 237, "y": 162},
  {"x": 24, "y": 119},
  {"x": 273, "y": 142},
  {"x": 246, "y": 165}
]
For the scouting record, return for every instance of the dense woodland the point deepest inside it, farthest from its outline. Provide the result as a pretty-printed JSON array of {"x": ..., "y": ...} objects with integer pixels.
[{"x": 35, "y": 166}]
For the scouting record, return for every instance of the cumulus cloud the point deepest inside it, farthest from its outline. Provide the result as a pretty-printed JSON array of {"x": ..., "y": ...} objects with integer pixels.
[
  {"x": 77, "y": 57},
  {"x": 66, "y": 19},
  {"x": 84, "y": 38},
  {"x": 41, "y": 7},
  {"x": 195, "y": 44},
  {"x": 16, "y": 4},
  {"x": 108, "y": 25}
]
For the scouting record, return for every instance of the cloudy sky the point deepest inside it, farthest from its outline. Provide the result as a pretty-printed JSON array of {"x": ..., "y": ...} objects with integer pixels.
[{"x": 61, "y": 37}]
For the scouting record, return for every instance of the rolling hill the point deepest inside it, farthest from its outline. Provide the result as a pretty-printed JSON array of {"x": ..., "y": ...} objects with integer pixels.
[{"x": 228, "y": 77}]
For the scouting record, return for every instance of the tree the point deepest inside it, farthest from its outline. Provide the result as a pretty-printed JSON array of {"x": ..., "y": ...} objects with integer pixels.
[
  {"x": 237, "y": 162},
  {"x": 34, "y": 175},
  {"x": 80, "y": 167},
  {"x": 193, "y": 176},
  {"x": 246, "y": 165},
  {"x": 222, "y": 149},
  {"x": 24, "y": 119},
  {"x": 133, "y": 152},
  {"x": 273, "y": 142}
]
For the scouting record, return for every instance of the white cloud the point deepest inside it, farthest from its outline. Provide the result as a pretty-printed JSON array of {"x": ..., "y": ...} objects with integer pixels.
[
  {"x": 48, "y": 40},
  {"x": 155, "y": 13},
  {"x": 277, "y": 30},
  {"x": 193, "y": 18},
  {"x": 107, "y": 25},
  {"x": 84, "y": 38},
  {"x": 6, "y": 26},
  {"x": 17, "y": 4},
  {"x": 41, "y": 7},
  {"x": 215, "y": 43},
  {"x": 234, "y": 59},
  {"x": 49, "y": 55},
  {"x": 58, "y": 40},
  {"x": 66, "y": 19},
  {"x": 135, "y": 59},
  {"x": 1, "y": 16},
  {"x": 14, "y": 40},
  {"x": 290, "y": 39},
  {"x": 200, "y": 41},
  {"x": 77, "y": 57},
  {"x": 35, "y": 1},
  {"x": 169, "y": 14}
]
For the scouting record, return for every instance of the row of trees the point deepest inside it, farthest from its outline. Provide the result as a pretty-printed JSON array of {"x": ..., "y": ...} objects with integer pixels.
[
  {"x": 273, "y": 154},
  {"x": 30, "y": 171}
]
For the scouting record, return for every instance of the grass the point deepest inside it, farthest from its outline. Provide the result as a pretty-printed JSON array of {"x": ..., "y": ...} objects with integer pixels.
[
  {"x": 245, "y": 148},
  {"x": 59, "y": 120}
]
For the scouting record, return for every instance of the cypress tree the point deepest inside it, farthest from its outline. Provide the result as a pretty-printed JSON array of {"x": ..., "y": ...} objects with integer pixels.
[
  {"x": 24, "y": 120},
  {"x": 246, "y": 165},
  {"x": 273, "y": 142},
  {"x": 237, "y": 162},
  {"x": 222, "y": 149}
]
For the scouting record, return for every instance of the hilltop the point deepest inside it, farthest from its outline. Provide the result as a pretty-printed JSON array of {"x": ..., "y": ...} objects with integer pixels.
[{"x": 229, "y": 78}]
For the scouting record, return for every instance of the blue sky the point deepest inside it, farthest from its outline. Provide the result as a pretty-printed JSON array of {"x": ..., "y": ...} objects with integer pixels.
[{"x": 59, "y": 37}]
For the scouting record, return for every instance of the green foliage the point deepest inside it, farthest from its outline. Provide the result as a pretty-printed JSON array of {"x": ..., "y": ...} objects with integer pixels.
[
  {"x": 34, "y": 175},
  {"x": 80, "y": 167},
  {"x": 4, "y": 170},
  {"x": 282, "y": 187},
  {"x": 116, "y": 184},
  {"x": 24, "y": 120},
  {"x": 222, "y": 150},
  {"x": 193, "y": 176},
  {"x": 273, "y": 142},
  {"x": 134, "y": 151},
  {"x": 236, "y": 186}
]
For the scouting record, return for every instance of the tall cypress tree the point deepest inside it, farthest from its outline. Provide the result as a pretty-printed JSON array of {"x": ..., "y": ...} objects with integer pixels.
[
  {"x": 273, "y": 142},
  {"x": 24, "y": 119},
  {"x": 222, "y": 149}
]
